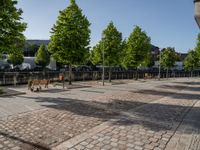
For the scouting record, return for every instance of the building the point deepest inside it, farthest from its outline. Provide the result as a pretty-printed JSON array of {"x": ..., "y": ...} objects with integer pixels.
[
  {"x": 30, "y": 48},
  {"x": 197, "y": 11},
  {"x": 155, "y": 51}
]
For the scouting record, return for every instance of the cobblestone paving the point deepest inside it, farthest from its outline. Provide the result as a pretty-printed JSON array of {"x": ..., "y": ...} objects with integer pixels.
[
  {"x": 45, "y": 128},
  {"x": 64, "y": 119},
  {"x": 138, "y": 126},
  {"x": 149, "y": 128},
  {"x": 128, "y": 137}
]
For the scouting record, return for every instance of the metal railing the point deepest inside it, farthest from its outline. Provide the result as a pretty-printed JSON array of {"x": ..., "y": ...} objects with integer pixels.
[{"x": 13, "y": 78}]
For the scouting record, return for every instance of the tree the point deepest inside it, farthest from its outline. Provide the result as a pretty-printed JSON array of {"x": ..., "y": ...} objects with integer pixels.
[
  {"x": 96, "y": 54},
  {"x": 138, "y": 49},
  {"x": 15, "y": 58},
  {"x": 11, "y": 27},
  {"x": 197, "y": 48},
  {"x": 42, "y": 57},
  {"x": 168, "y": 58},
  {"x": 191, "y": 61},
  {"x": 70, "y": 37},
  {"x": 149, "y": 62},
  {"x": 111, "y": 46}
]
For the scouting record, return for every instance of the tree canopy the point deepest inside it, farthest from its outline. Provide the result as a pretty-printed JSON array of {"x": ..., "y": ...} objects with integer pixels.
[
  {"x": 15, "y": 58},
  {"x": 168, "y": 58},
  {"x": 197, "y": 48},
  {"x": 70, "y": 36},
  {"x": 11, "y": 27},
  {"x": 137, "y": 48},
  {"x": 42, "y": 57},
  {"x": 111, "y": 44},
  {"x": 191, "y": 62}
]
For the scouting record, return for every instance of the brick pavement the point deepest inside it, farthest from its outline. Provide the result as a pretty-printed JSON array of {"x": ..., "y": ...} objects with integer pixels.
[
  {"x": 146, "y": 127},
  {"x": 142, "y": 117}
]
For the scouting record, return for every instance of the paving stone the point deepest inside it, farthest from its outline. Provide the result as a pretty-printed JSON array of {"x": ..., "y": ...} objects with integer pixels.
[
  {"x": 138, "y": 148},
  {"x": 139, "y": 126}
]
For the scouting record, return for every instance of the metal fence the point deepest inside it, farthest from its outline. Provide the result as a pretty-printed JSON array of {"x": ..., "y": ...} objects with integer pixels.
[{"x": 13, "y": 78}]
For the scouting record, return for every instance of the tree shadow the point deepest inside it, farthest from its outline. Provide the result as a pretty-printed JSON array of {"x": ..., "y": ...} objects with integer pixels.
[
  {"x": 53, "y": 90},
  {"x": 174, "y": 95},
  {"x": 188, "y": 83},
  {"x": 154, "y": 116},
  {"x": 180, "y": 87}
]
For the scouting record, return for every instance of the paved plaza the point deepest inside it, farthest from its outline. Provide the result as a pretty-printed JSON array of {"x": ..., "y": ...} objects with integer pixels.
[{"x": 136, "y": 115}]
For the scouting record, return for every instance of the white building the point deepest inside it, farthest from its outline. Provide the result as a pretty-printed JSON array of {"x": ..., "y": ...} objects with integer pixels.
[{"x": 29, "y": 63}]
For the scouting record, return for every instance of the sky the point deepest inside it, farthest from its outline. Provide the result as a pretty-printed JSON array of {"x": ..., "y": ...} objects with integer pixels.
[{"x": 169, "y": 23}]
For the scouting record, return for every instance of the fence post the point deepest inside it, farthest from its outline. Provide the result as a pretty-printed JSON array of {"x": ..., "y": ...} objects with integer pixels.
[
  {"x": 15, "y": 79},
  {"x": 4, "y": 79}
]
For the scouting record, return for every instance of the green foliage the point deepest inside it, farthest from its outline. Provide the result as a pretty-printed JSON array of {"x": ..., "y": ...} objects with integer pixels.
[
  {"x": 11, "y": 28},
  {"x": 123, "y": 52},
  {"x": 137, "y": 49},
  {"x": 42, "y": 57},
  {"x": 191, "y": 62},
  {"x": 15, "y": 58},
  {"x": 168, "y": 58},
  {"x": 197, "y": 48},
  {"x": 70, "y": 36},
  {"x": 111, "y": 44},
  {"x": 96, "y": 54},
  {"x": 148, "y": 62}
]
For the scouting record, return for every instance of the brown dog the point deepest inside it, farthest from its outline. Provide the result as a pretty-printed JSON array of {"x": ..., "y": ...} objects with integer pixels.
[{"x": 38, "y": 83}]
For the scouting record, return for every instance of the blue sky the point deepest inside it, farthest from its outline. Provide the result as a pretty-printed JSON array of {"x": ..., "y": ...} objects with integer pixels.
[{"x": 167, "y": 22}]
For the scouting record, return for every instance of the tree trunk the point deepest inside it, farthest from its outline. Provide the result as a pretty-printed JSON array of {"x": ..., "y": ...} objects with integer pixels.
[
  {"x": 44, "y": 73},
  {"x": 110, "y": 73},
  {"x": 63, "y": 77},
  {"x": 70, "y": 74},
  {"x": 136, "y": 78},
  {"x": 167, "y": 73},
  {"x": 191, "y": 73}
]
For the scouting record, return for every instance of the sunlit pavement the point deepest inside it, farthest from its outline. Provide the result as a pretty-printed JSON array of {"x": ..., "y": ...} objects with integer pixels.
[{"x": 146, "y": 114}]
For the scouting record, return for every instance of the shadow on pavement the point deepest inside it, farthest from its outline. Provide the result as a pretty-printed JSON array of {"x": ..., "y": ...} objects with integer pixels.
[
  {"x": 53, "y": 90},
  {"x": 155, "y": 116},
  {"x": 188, "y": 83},
  {"x": 180, "y": 87},
  {"x": 175, "y": 95}
]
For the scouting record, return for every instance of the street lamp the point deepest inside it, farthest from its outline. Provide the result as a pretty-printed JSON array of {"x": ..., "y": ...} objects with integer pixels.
[
  {"x": 103, "y": 75},
  {"x": 197, "y": 11}
]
